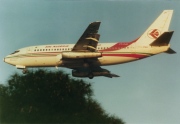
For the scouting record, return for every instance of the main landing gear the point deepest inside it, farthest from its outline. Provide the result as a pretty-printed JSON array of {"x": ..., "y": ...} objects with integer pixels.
[
  {"x": 86, "y": 64},
  {"x": 91, "y": 76},
  {"x": 24, "y": 71}
]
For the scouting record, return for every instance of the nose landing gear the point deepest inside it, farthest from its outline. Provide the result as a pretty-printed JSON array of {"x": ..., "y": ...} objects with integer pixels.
[{"x": 24, "y": 69}]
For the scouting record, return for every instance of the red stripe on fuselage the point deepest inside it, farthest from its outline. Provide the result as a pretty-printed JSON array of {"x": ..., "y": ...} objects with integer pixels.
[
  {"x": 138, "y": 56},
  {"x": 119, "y": 46}
]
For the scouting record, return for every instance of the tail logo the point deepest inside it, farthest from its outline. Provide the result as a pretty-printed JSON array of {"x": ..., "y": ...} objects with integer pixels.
[{"x": 154, "y": 33}]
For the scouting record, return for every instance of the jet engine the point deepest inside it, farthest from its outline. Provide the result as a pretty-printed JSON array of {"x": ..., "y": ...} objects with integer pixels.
[{"x": 80, "y": 55}]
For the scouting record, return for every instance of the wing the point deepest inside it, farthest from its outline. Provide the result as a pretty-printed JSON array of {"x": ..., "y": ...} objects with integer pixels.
[
  {"x": 89, "y": 40},
  {"x": 92, "y": 71},
  {"x": 84, "y": 65},
  {"x": 97, "y": 70}
]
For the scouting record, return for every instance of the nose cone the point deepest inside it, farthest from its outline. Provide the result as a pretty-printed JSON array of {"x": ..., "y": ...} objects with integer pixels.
[
  {"x": 8, "y": 60},
  {"x": 5, "y": 60}
]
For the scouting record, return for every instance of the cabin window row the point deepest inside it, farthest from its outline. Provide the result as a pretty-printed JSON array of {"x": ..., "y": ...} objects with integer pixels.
[
  {"x": 53, "y": 49},
  {"x": 62, "y": 49},
  {"x": 99, "y": 48}
]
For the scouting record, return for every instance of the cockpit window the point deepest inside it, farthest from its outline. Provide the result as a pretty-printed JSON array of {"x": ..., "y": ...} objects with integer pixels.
[{"x": 15, "y": 52}]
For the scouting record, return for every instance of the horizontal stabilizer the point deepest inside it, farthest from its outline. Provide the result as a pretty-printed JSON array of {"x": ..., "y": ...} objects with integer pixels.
[
  {"x": 163, "y": 40},
  {"x": 170, "y": 51}
]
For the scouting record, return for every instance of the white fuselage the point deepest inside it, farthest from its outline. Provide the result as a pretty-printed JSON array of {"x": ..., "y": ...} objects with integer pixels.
[{"x": 51, "y": 55}]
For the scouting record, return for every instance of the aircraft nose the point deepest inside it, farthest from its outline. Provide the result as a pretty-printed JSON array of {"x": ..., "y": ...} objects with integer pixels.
[
  {"x": 6, "y": 60},
  {"x": 12, "y": 61}
]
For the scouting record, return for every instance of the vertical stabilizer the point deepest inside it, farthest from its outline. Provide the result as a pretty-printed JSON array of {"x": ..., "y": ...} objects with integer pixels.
[{"x": 157, "y": 28}]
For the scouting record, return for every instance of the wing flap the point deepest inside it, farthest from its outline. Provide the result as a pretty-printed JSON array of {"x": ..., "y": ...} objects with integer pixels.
[{"x": 92, "y": 71}]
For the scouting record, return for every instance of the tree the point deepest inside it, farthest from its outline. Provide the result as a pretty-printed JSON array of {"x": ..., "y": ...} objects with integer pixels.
[{"x": 50, "y": 97}]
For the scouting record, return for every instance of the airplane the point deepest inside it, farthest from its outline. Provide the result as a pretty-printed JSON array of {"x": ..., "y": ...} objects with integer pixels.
[{"x": 86, "y": 57}]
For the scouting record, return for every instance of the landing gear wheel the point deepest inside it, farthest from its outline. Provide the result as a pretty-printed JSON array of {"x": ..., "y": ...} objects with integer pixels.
[
  {"x": 24, "y": 71},
  {"x": 91, "y": 76}
]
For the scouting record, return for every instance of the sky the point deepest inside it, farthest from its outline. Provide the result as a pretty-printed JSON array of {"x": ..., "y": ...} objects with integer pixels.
[{"x": 147, "y": 91}]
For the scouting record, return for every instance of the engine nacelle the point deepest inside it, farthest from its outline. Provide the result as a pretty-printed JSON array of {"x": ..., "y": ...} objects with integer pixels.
[
  {"x": 76, "y": 73},
  {"x": 81, "y": 55}
]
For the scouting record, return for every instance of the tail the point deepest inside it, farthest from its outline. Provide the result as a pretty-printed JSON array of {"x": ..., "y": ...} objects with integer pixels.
[{"x": 158, "y": 28}]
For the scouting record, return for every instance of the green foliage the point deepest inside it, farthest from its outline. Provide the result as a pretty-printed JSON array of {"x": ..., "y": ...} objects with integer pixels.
[{"x": 50, "y": 97}]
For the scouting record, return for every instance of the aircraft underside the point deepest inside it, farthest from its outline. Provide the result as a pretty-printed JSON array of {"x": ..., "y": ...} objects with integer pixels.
[{"x": 80, "y": 67}]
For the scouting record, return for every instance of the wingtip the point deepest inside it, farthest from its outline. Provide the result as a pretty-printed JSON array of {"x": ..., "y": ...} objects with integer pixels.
[
  {"x": 170, "y": 10},
  {"x": 111, "y": 75},
  {"x": 114, "y": 75}
]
